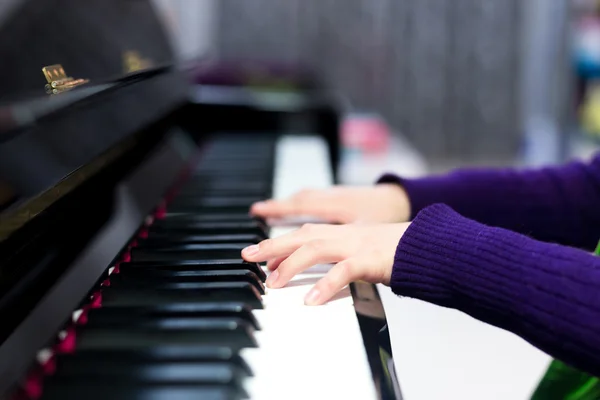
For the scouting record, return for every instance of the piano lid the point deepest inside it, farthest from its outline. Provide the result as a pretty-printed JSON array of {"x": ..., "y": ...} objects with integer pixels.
[
  {"x": 78, "y": 79},
  {"x": 93, "y": 40}
]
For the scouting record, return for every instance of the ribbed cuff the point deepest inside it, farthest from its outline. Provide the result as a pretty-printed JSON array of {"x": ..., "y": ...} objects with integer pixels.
[
  {"x": 420, "y": 268},
  {"x": 444, "y": 257}
]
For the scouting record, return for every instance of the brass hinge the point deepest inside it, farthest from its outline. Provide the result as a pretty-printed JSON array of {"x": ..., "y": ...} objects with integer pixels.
[
  {"x": 58, "y": 81},
  {"x": 134, "y": 62}
]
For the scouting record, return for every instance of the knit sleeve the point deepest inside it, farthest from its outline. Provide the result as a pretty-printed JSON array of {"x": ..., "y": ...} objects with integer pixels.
[
  {"x": 559, "y": 204},
  {"x": 546, "y": 293}
]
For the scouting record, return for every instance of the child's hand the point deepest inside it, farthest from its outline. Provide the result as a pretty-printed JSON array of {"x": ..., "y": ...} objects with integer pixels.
[
  {"x": 380, "y": 203},
  {"x": 361, "y": 252}
]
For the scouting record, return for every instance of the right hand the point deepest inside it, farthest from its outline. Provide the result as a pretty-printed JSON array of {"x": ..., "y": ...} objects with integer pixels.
[
  {"x": 360, "y": 252},
  {"x": 383, "y": 203}
]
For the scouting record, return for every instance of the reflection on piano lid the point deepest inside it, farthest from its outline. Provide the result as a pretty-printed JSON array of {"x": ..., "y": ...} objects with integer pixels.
[
  {"x": 90, "y": 173},
  {"x": 7, "y": 195},
  {"x": 15, "y": 218}
]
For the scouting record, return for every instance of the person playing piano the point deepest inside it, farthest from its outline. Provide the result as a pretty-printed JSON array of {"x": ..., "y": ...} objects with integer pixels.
[{"x": 509, "y": 247}]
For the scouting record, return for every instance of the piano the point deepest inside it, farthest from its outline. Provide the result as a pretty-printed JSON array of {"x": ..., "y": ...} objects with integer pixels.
[{"x": 124, "y": 195}]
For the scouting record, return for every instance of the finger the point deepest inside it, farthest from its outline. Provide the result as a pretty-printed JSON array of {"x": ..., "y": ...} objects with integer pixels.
[
  {"x": 342, "y": 274},
  {"x": 310, "y": 254},
  {"x": 315, "y": 203},
  {"x": 274, "y": 208},
  {"x": 273, "y": 264},
  {"x": 271, "y": 249},
  {"x": 285, "y": 245}
]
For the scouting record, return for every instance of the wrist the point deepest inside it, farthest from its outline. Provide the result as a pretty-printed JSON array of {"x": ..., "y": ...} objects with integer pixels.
[{"x": 396, "y": 199}]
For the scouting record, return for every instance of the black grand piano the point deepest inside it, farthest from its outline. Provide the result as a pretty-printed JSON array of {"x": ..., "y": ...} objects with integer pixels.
[{"x": 124, "y": 193}]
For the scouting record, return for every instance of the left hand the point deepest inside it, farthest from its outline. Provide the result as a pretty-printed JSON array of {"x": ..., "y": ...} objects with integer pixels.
[{"x": 361, "y": 252}]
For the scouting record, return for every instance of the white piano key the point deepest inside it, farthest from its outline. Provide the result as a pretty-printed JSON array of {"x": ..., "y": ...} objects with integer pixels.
[{"x": 306, "y": 352}]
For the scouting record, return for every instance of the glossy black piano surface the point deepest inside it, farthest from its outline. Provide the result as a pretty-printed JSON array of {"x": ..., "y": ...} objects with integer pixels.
[{"x": 129, "y": 172}]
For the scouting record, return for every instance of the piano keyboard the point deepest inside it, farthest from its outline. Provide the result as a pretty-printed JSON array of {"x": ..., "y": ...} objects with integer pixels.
[{"x": 183, "y": 316}]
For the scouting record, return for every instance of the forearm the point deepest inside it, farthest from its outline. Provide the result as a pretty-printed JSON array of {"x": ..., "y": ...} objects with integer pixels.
[
  {"x": 547, "y": 294},
  {"x": 557, "y": 204}
]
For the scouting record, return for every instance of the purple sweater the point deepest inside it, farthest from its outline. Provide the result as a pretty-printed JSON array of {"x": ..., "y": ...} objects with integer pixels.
[{"x": 510, "y": 248}]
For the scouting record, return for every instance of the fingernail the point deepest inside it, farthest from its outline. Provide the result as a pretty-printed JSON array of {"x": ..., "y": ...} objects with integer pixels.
[
  {"x": 272, "y": 278},
  {"x": 251, "y": 250},
  {"x": 312, "y": 297}
]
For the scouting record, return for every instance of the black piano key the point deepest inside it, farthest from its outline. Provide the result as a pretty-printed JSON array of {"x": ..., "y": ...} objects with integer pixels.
[
  {"x": 124, "y": 370},
  {"x": 233, "y": 178},
  {"x": 235, "y": 149},
  {"x": 194, "y": 193},
  {"x": 149, "y": 278},
  {"x": 164, "y": 323},
  {"x": 239, "y": 157},
  {"x": 188, "y": 252},
  {"x": 203, "y": 179},
  {"x": 214, "y": 247},
  {"x": 160, "y": 354},
  {"x": 236, "y": 201},
  {"x": 226, "y": 177},
  {"x": 57, "y": 390},
  {"x": 209, "y": 228},
  {"x": 233, "y": 332},
  {"x": 237, "y": 154},
  {"x": 213, "y": 217},
  {"x": 106, "y": 315},
  {"x": 199, "y": 187},
  {"x": 208, "y": 191},
  {"x": 241, "y": 141},
  {"x": 162, "y": 238},
  {"x": 241, "y": 171},
  {"x": 207, "y": 209},
  {"x": 242, "y": 292},
  {"x": 199, "y": 265},
  {"x": 220, "y": 219}
]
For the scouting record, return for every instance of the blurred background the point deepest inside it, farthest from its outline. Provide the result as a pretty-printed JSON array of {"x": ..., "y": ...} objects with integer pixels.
[{"x": 427, "y": 84}]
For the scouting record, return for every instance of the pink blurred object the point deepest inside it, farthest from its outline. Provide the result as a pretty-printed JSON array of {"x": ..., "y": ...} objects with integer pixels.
[{"x": 366, "y": 133}]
